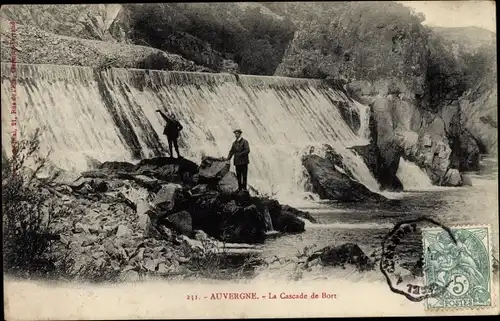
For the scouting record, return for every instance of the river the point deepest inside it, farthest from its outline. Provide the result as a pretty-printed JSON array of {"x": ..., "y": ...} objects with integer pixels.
[{"x": 367, "y": 224}]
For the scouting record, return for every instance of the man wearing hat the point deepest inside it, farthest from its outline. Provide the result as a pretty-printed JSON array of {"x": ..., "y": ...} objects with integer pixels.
[{"x": 240, "y": 149}]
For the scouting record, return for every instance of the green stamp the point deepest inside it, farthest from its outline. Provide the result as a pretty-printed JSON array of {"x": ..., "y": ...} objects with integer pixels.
[{"x": 461, "y": 263}]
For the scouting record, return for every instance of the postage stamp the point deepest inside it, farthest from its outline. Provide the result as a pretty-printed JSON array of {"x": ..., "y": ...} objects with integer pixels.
[{"x": 462, "y": 263}]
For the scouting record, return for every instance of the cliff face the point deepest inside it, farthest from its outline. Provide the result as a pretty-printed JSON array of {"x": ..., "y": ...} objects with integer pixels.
[
  {"x": 432, "y": 91},
  {"x": 87, "y": 21}
]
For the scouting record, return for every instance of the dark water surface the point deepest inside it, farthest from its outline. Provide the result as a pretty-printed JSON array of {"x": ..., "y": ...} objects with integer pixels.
[{"x": 368, "y": 224}]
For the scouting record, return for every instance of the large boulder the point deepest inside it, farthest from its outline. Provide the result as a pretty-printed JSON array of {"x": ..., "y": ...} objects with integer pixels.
[
  {"x": 288, "y": 223},
  {"x": 452, "y": 178},
  {"x": 244, "y": 225},
  {"x": 228, "y": 183},
  {"x": 331, "y": 184},
  {"x": 285, "y": 209},
  {"x": 117, "y": 166},
  {"x": 168, "y": 197},
  {"x": 212, "y": 169},
  {"x": 348, "y": 253},
  {"x": 167, "y": 168},
  {"x": 465, "y": 152},
  {"x": 181, "y": 222},
  {"x": 284, "y": 218},
  {"x": 205, "y": 210},
  {"x": 150, "y": 183}
]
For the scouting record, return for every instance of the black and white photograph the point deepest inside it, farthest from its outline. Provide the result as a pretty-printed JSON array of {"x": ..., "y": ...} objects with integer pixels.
[{"x": 186, "y": 160}]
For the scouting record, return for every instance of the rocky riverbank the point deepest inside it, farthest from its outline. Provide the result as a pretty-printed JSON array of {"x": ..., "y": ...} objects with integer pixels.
[{"x": 162, "y": 217}]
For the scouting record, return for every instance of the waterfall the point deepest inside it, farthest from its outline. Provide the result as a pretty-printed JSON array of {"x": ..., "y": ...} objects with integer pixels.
[
  {"x": 268, "y": 221},
  {"x": 110, "y": 115},
  {"x": 364, "y": 121},
  {"x": 412, "y": 177}
]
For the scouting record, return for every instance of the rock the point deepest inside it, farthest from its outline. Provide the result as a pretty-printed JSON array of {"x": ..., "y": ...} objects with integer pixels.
[
  {"x": 115, "y": 184},
  {"x": 123, "y": 231},
  {"x": 95, "y": 229},
  {"x": 117, "y": 167},
  {"x": 166, "y": 232},
  {"x": 212, "y": 169},
  {"x": 163, "y": 268},
  {"x": 99, "y": 185},
  {"x": 348, "y": 253},
  {"x": 452, "y": 178},
  {"x": 65, "y": 189},
  {"x": 168, "y": 196},
  {"x": 147, "y": 182},
  {"x": 81, "y": 228},
  {"x": 298, "y": 213},
  {"x": 144, "y": 222},
  {"x": 142, "y": 206},
  {"x": 466, "y": 180},
  {"x": 95, "y": 174},
  {"x": 151, "y": 264},
  {"x": 86, "y": 189},
  {"x": 62, "y": 177},
  {"x": 199, "y": 235},
  {"x": 246, "y": 225},
  {"x": 466, "y": 152},
  {"x": 228, "y": 183},
  {"x": 199, "y": 189},
  {"x": 129, "y": 276},
  {"x": 166, "y": 168},
  {"x": 89, "y": 240},
  {"x": 334, "y": 185},
  {"x": 79, "y": 183},
  {"x": 169, "y": 172},
  {"x": 97, "y": 255},
  {"x": 92, "y": 162},
  {"x": 230, "y": 207},
  {"x": 288, "y": 223},
  {"x": 181, "y": 222}
]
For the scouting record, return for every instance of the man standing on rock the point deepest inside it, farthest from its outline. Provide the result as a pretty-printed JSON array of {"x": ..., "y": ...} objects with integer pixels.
[
  {"x": 240, "y": 149},
  {"x": 172, "y": 130}
]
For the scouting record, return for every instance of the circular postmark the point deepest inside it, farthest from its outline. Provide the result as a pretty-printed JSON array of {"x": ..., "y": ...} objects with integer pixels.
[{"x": 402, "y": 261}]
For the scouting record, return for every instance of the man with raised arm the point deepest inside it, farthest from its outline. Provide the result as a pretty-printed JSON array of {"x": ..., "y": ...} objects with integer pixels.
[
  {"x": 172, "y": 130},
  {"x": 240, "y": 150}
]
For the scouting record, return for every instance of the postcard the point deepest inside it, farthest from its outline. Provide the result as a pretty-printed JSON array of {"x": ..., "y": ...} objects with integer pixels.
[{"x": 249, "y": 160}]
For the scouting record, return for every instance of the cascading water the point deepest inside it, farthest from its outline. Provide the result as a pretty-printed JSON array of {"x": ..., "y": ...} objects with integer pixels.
[
  {"x": 412, "y": 177},
  {"x": 110, "y": 115}
]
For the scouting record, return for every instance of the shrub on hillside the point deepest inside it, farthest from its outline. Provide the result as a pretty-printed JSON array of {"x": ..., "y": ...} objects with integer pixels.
[{"x": 26, "y": 220}]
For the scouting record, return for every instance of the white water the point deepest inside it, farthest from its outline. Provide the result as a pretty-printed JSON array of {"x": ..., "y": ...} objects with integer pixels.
[
  {"x": 412, "y": 177},
  {"x": 111, "y": 116}
]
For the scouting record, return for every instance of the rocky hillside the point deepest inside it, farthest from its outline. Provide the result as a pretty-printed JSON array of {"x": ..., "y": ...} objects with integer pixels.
[
  {"x": 87, "y": 21},
  {"x": 432, "y": 90},
  {"x": 33, "y": 45}
]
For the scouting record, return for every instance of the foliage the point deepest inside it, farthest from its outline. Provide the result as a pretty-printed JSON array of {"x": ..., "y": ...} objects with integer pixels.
[
  {"x": 208, "y": 34},
  {"x": 26, "y": 218}
]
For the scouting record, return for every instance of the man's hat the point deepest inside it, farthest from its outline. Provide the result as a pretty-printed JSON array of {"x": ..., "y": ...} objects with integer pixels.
[{"x": 237, "y": 131}]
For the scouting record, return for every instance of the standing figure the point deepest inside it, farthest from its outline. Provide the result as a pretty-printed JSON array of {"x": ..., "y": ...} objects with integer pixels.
[
  {"x": 240, "y": 149},
  {"x": 172, "y": 130}
]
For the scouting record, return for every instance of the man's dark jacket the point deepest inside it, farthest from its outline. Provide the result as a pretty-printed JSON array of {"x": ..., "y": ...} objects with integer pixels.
[
  {"x": 172, "y": 128},
  {"x": 240, "y": 150}
]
